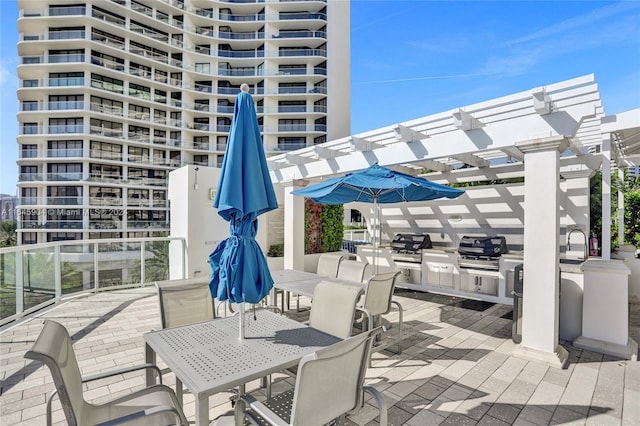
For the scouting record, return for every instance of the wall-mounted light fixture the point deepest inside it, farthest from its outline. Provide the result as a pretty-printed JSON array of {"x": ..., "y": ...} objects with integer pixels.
[{"x": 195, "y": 184}]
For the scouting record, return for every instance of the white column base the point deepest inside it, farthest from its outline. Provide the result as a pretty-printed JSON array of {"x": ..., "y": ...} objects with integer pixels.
[
  {"x": 628, "y": 351},
  {"x": 557, "y": 359}
]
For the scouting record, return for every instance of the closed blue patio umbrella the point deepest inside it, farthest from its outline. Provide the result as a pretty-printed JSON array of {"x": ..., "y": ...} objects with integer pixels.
[
  {"x": 376, "y": 184},
  {"x": 239, "y": 269}
]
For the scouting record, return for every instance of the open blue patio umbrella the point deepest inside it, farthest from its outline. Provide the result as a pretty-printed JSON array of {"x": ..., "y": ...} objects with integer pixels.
[
  {"x": 376, "y": 184},
  {"x": 239, "y": 269}
]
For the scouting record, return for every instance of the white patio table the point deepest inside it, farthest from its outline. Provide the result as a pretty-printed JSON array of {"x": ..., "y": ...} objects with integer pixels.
[
  {"x": 303, "y": 283},
  {"x": 209, "y": 357}
]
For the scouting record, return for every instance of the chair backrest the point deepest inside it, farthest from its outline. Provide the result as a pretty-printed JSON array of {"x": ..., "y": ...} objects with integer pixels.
[
  {"x": 330, "y": 381},
  {"x": 369, "y": 271},
  {"x": 328, "y": 264},
  {"x": 54, "y": 349},
  {"x": 333, "y": 308},
  {"x": 377, "y": 298},
  {"x": 184, "y": 302},
  {"x": 352, "y": 270}
]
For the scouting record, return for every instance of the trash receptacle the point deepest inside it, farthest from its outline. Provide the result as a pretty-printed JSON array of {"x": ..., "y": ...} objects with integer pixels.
[{"x": 518, "y": 287}]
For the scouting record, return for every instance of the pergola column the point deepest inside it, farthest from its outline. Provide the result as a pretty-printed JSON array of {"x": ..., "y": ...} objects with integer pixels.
[
  {"x": 540, "y": 320},
  {"x": 293, "y": 226}
]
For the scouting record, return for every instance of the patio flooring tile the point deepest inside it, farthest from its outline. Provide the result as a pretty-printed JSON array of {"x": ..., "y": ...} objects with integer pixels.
[{"x": 456, "y": 367}]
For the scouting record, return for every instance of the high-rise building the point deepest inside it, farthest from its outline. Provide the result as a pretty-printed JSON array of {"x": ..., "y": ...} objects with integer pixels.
[{"x": 114, "y": 94}]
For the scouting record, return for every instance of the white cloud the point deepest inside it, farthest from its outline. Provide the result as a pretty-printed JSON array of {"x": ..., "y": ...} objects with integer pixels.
[
  {"x": 8, "y": 78},
  {"x": 601, "y": 14}
]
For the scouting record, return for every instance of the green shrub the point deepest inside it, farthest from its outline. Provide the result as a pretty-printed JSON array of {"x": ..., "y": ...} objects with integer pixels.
[{"x": 276, "y": 250}]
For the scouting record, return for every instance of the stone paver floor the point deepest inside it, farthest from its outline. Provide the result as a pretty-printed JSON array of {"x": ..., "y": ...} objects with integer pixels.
[{"x": 455, "y": 368}]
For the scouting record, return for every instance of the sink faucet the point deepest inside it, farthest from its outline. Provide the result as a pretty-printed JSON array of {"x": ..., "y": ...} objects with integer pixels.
[{"x": 586, "y": 242}]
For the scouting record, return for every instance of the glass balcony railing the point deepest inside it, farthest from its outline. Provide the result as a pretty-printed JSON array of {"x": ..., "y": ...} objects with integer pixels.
[
  {"x": 64, "y": 176},
  {"x": 37, "y": 275},
  {"x": 66, "y": 35},
  {"x": 302, "y": 52},
  {"x": 66, "y": 128},
  {"x": 241, "y": 53},
  {"x": 290, "y": 146},
  {"x": 55, "y": 153},
  {"x": 241, "y": 18},
  {"x": 65, "y": 201},
  {"x": 67, "y": 11},
  {"x": 292, "y": 108},
  {"x": 302, "y": 15},
  {"x": 301, "y": 34},
  {"x": 29, "y": 177},
  {"x": 254, "y": 35}
]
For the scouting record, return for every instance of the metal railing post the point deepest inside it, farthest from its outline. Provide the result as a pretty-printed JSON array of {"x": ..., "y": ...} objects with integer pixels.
[
  {"x": 19, "y": 282},
  {"x": 57, "y": 271},
  {"x": 95, "y": 267},
  {"x": 142, "y": 278}
]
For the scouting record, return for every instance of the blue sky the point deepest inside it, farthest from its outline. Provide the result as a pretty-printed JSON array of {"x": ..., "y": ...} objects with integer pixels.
[{"x": 414, "y": 58}]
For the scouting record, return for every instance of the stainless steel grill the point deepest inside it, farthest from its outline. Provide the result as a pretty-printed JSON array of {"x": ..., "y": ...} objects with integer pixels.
[
  {"x": 407, "y": 248},
  {"x": 481, "y": 252}
]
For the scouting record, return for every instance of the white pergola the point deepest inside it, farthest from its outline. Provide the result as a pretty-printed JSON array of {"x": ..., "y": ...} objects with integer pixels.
[{"x": 540, "y": 134}]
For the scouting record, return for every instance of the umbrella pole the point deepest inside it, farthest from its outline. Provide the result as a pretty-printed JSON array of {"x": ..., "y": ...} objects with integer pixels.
[
  {"x": 375, "y": 240},
  {"x": 241, "y": 320}
]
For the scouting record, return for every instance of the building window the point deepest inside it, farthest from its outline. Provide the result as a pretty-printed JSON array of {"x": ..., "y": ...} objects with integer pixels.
[
  {"x": 63, "y": 102},
  {"x": 29, "y": 238},
  {"x": 107, "y": 106},
  {"x": 63, "y": 56},
  {"x": 63, "y": 236},
  {"x": 71, "y": 148},
  {"x": 106, "y": 128},
  {"x": 106, "y": 151},
  {"x": 65, "y": 10},
  {"x": 291, "y": 143},
  {"x": 139, "y": 91},
  {"x": 29, "y": 128},
  {"x": 29, "y": 105},
  {"x": 107, "y": 61},
  {"x": 107, "y": 83},
  {"x": 105, "y": 172},
  {"x": 204, "y": 68},
  {"x": 29, "y": 151},
  {"x": 140, "y": 70},
  {"x": 65, "y": 33},
  {"x": 292, "y": 125},
  {"x": 57, "y": 79},
  {"x": 66, "y": 125},
  {"x": 160, "y": 96},
  {"x": 139, "y": 112}
]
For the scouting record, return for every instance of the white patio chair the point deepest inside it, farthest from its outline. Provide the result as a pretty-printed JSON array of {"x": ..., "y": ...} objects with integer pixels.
[
  {"x": 153, "y": 405},
  {"x": 332, "y": 311},
  {"x": 333, "y": 308},
  {"x": 328, "y": 264},
  {"x": 329, "y": 385},
  {"x": 352, "y": 270},
  {"x": 184, "y": 302},
  {"x": 378, "y": 300}
]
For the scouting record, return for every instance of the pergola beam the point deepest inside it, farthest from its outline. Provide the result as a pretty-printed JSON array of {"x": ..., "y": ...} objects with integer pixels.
[
  {"x": 472, "y": 160},
  {"x": 294, "y": 159},
  {"x": 406, "y": 134},
  {"x": 513, "y": 152},
  {"x": 465, "y": 121},
  {"x": 360, "y": 144},
  {"x": 542, "y": 104},
  {"x": 323, "y": 152}
]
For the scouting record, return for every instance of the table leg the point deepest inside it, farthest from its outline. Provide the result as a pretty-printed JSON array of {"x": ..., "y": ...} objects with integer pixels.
[
  {"x": 179, "y": 391},
  {"x": 240, "y": 407},
  {"x": 150, "y": 358},
  {"x": 202, "y": 410}
]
